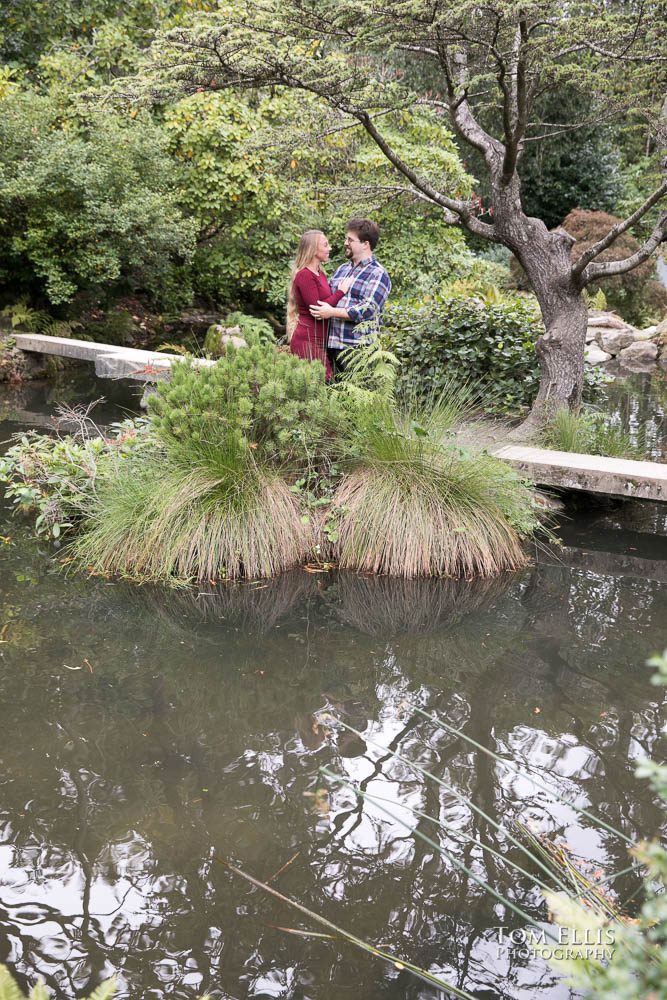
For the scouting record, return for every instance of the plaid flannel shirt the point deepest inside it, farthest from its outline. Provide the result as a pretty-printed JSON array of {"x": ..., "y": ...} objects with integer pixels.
[{"x": 363, "y": 303}]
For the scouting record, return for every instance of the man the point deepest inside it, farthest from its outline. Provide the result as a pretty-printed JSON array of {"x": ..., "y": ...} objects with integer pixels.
[{"x": 358, "y": 314}]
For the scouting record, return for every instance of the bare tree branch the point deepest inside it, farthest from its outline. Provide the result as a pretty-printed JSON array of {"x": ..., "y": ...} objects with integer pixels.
[
  {"x": 610, "y": 268},
  {"x": 461, "y": 114},
  {"x": 617, "y": 230},
  {"x": 463, "y": 209},
  {"x": 625, "y": 58}
]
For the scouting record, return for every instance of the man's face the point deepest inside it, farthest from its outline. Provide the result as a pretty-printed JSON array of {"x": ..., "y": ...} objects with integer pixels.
[{"x": 353, "y": 245}]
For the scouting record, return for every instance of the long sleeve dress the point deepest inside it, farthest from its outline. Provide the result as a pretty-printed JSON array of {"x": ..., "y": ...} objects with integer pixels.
[{"x": 309, "y": 339}]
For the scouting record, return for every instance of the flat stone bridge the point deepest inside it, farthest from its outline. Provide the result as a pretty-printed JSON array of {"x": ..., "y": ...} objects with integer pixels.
[
  {"x": 621, "y": 477},
  {"x": 564, "y": 470},
  {"x": 110, "y": 361}
]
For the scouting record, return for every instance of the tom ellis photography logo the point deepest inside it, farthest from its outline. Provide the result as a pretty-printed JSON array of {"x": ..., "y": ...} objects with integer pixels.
[{"x": 559, "y": 943}]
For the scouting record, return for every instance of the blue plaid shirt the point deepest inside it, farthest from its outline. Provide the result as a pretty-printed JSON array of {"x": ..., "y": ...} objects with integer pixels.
[{"x": 363, "y": 303}]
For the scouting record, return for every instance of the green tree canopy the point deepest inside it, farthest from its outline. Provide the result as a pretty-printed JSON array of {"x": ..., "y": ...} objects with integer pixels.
[{"x": 87, "y": 203}]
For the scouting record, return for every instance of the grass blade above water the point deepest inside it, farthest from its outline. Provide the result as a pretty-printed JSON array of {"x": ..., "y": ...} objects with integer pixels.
[
  {"x": 400, "y": 963},
  {"x": 435, "y": 718}
]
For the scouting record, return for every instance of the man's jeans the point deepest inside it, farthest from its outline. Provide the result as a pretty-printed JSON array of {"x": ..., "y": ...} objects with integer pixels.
[{"x": 339, "y": 358}]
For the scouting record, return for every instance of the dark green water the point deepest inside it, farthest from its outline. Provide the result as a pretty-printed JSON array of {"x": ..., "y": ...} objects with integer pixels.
[{"x": 146, "y": 736}]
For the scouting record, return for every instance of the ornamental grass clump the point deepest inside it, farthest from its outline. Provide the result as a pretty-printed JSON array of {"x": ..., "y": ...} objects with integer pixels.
[
  {"x": 589, "y": 432},
  {"x": 216, "y": 500},
  {"x": 415, "y": 504},
  {"x": 159, "y": 521}
]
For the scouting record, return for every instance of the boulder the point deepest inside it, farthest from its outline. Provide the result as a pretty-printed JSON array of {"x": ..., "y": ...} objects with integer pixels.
[
  {"x": 642, "y": 352},
  {"x": 610, "y": 320},
  {"x": 219, "y": 337},
  {"x": 594, "y": 356},
  {"x": 661, "y": 332},
  {"x": 613, "y": 341},
  {"x": 20, "y": 366},
  {"x": 647, "y": 334},
  {"x": 591, "y": 334},
  {"x": 192, "y": 322}
]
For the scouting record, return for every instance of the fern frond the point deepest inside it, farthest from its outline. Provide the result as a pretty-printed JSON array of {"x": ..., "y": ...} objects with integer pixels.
[
  {"x": 105, "y": 990},
  {"x": 8, "y": 988}
]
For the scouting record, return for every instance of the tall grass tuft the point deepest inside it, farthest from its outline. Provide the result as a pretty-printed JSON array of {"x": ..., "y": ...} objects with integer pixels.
[
  {"x": 414, "y": 504},
  {"x": 159, "y": 521},
  {"x": 589, "y": 432}
]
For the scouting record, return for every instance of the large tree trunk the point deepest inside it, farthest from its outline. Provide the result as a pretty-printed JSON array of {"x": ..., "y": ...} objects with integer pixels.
[
  {"x": 545, "y": 257},
  {"x": 560, "y": 352}
]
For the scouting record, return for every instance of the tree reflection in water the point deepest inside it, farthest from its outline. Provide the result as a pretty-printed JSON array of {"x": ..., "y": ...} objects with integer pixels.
[{"x": 196, "y": 734}]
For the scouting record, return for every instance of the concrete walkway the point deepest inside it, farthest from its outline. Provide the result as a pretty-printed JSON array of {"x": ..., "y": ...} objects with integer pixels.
[
  {"x": 620, "y": 477},
  {"x": 110, "y": 361}
]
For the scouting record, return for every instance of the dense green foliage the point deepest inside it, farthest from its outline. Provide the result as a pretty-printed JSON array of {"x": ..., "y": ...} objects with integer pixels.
[
  {"x": 484, "y": 338},
  {"x": 570, "y": 171},
  {"x": 96, "y": 33},
  {"x": 87, "y": 204},
  {"x": 454, "y": 336},
  {"x": 242, "y": 206}
]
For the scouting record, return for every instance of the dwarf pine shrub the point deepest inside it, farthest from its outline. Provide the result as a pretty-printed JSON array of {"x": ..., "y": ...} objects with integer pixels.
[{"x": 254, "y": 399}]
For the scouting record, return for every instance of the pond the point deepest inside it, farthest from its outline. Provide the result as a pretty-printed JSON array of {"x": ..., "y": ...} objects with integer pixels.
[{"x": 147, "y": 737}]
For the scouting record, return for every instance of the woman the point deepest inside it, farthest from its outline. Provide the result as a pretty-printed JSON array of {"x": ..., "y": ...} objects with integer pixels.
[{"x": 306, "y": 335}]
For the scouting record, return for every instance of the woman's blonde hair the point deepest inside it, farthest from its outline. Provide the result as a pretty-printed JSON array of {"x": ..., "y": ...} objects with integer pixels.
[{"x": 305, "y": 252}]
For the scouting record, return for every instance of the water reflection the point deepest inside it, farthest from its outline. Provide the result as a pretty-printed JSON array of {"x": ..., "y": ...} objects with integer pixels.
[
  {"x": 144, "y": 737},
  {"x": 638, "y": 403},
  {"x": 33, "y": 404},
  {"x": 144, "y": 734},
  {"x": 380, "y": 605},
  {"x": 250, "y": 608}
]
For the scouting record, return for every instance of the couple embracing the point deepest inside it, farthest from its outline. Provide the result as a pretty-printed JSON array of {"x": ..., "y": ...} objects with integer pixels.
[{"x": 325, "y": 322}]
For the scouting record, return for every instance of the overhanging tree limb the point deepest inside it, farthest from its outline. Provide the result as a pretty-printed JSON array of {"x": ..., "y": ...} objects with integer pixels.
[
  {"x": 461, "y": 209},
  {"x": 617, "y": 230},
  {"x": 609, "y": 269}
]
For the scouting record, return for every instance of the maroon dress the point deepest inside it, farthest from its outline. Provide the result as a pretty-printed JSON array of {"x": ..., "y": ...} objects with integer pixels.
[{"x": 309, "y": 339}]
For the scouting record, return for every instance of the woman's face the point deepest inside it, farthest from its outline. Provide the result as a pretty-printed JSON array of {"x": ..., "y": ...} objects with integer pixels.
[{"x": 323, "y": 248}]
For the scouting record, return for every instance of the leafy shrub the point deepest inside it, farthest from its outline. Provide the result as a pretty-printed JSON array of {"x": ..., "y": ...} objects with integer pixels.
[
  {"x": 238, "y": 198},
  {"x": 52, "y": 478},
  {"x": 88, "y": 204},
  {"x": 255, "y": 399},
  {"x": 461, "y": 337}
]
